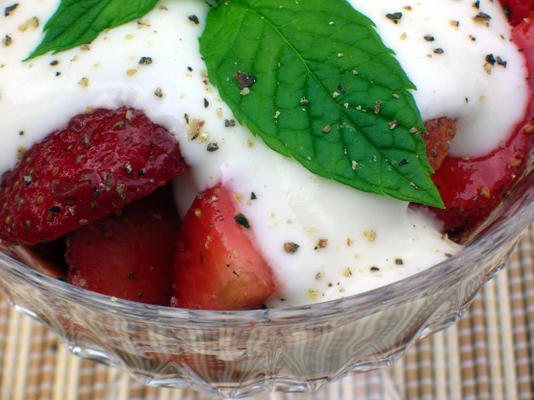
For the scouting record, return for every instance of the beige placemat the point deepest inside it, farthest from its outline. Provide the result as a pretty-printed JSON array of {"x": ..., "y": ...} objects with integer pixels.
[{"x": 488, "y": 354}]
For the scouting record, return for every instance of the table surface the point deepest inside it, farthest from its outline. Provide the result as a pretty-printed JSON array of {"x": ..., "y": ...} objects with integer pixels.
[{"x": 487, "y": 354}]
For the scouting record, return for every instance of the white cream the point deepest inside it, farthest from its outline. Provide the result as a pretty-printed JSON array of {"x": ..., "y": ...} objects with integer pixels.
[
  {"x": 451, "y": 73},
  {"x": 343, "y": 235}
]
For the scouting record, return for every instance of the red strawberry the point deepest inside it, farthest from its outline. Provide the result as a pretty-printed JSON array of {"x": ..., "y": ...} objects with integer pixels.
[
  {"x": 216, "y": 264},
  {"x": 517, "y": 9},
  {"x": 440, "y": 132},
  {"x": 129, "y": 255},
  {"x": 472, "y": 188},
  {"x": 523, "y": 37},
  {"x": 96, "y": 165}
]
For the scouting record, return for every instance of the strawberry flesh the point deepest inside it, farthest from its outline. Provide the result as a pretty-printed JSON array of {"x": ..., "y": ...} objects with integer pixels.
[
  {"x": 216, "y": 265},
  {"x": 129, "y": 255},
  {"x": 472, "y": 188},
  {"x": 517, "y": 10},
  {"x": 100, "y": 162}
]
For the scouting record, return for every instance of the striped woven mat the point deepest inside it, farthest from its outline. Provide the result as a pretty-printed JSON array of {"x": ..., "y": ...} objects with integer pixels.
[{"x": 487, "y": 354}]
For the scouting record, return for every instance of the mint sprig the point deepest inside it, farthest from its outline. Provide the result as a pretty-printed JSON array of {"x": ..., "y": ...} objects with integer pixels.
[
  {"x": 314, "y": 81},
  {"x": 328, "y": 92},
  {"x": 78, "y": 22}
]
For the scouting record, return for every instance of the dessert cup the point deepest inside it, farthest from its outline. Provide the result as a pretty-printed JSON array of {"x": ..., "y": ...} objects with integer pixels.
[{"x": 239, "y": 353}]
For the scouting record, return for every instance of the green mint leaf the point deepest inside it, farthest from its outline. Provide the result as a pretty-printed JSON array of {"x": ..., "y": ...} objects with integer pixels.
[
  {"x": 313, "y": 79},
  {"x": 78, "y": 22}
]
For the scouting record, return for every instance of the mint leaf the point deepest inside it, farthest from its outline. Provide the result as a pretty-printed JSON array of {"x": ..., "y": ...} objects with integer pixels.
[
  {"x": 327, "y": 92},
  {"x": 78, "y": 22}
]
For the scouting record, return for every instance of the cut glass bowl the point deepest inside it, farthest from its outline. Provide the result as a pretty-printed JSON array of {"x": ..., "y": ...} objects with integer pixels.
[{"x": 239, "y": 353}]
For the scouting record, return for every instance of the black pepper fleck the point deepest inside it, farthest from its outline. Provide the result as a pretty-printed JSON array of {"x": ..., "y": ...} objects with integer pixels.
[
  {"x": 145, "y": 60},
  {"x": 253, "y": 196},
  {"x": 228, "y": 123},
  {"x": 490, "y": 59},
  {"x": 429, "y": 38},
  {"x": 244, "y": 80},
  {"x": 482, "y": 17},
  {"x": 291, "y": 247},
  {"x": 193, "y": 18},
  {"x": 242, "y": 220},
  {"x": 501, "y": 62},
  {"x": 439, "y": 50},
  {"x": 54, "y": 62},
  {"x": 395, "y": 17},
  {"x": 9, "y": 9},
  {"x": 54, "y": 209},
  {"x": 374, "y": 269},
  {"x": 7, "y": 40},
  {"x": 212, "y": 147},
  {"x": 158, "y": 92},
  {"x": 206, "y": 103}
]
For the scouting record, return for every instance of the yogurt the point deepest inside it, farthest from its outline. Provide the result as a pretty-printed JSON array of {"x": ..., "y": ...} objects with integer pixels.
[{"x": 348, "y": 241}]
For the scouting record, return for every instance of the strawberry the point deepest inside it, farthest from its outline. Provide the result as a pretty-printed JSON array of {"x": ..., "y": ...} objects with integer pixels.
[
  {"x": 216, "y": 265},
  {"x": 472, "y": 188},
  {"x": 440, "y": 132},
  {"x": 517, "y": 10},
  {"x": 523, "y": 37},
  {"x": 128, "y": 255},
  {"x": 100, "y": 162}
]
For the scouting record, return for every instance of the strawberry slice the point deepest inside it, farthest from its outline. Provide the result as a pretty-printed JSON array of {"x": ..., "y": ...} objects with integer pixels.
[
  {"x": 517, "y": 10},
  {"x": 523, "y": 37},
  {"x": 472, "y": 188},
  {"x": 95, "y": 166},
  {"x": 129, "y": 255},
  {"x": 216, "y": 265}
]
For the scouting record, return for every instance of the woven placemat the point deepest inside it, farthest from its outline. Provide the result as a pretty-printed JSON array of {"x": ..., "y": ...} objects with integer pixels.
[{"x": 487, "y": 354}]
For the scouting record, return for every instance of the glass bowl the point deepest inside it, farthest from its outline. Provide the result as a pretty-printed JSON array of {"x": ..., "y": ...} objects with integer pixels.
[{"x": 239, "y": 353}]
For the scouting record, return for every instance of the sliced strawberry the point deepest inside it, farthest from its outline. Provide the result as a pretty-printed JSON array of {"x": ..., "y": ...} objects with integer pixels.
[
  {"x": 96, "y": 165},
  {"x": 472, "y": 188},
  {"x": 523, "y": 37},
  {"x": 517, "y": 10},
  {"x": 129, "y": 255},
  {"x": 440, "y": 132},
  {"x": 216, "y": 264}
]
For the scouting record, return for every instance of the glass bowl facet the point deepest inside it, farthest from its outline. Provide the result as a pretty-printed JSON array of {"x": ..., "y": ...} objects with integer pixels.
[{"x": 239, "y": 353}]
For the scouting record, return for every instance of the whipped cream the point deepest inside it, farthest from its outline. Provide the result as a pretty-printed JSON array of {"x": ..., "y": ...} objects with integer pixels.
[{"x": 348, "y": 241}]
